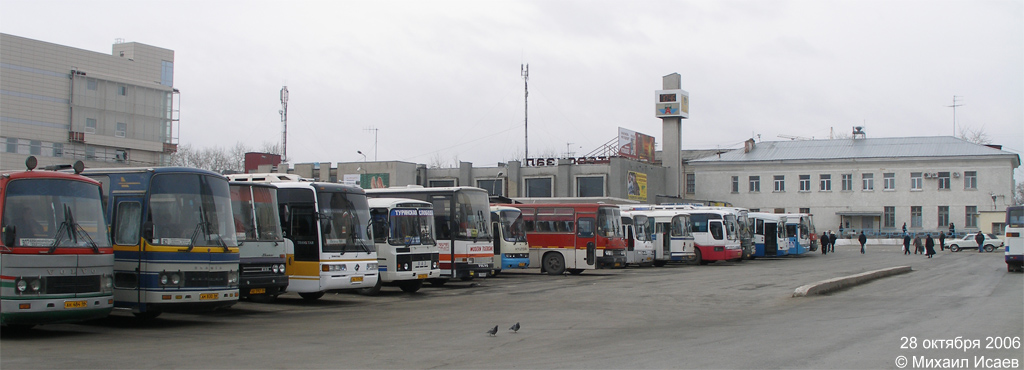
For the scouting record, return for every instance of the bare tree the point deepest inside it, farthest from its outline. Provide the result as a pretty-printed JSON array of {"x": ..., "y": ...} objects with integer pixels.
[
  {"x": 1018, "y": 195},
  {"x": 975, "y": 136},
  {"x": 213, "y": 159}
]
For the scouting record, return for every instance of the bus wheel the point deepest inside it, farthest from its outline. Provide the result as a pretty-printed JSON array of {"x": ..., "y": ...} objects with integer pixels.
[
  {"x": 437, "y": 282},
  {"x": 575, "y": 271},
  {"x": 371, "y": 291},
  {"x": 554, "y": 264},
  {"x": 148, "y": 315},
  {"x": 412, "y": 286},
  {"x": 697, "y": 258},
  {"x": 659, "y": 263},
  {"x": 311, "y": 296}
]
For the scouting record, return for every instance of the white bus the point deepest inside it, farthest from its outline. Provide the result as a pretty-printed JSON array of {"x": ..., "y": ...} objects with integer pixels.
[
  {"x": 770, "y": 239},
  {"x": 407, "y": 255},
  {"x": 327, "y": 228},
  {"x": 638, "y": 230},
  {"x": 672, "y": 238},
  {"x": 1014, "y": 239},
  {"x": 511, "y": 251},
  {"x": 801, "y": 226},
  {"x": 463, "y": 218}
]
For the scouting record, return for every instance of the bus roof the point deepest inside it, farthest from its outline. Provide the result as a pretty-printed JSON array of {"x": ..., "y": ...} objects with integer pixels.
[
  {"x": 113, "y": 170},
  {"x": 43, "y": 174},
  {"x": 398, "y": 203}
]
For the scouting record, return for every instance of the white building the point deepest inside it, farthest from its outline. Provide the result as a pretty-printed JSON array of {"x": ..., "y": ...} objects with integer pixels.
[
  {"x": 62, "y": 104},
  {"x": 865, "y": 184}
]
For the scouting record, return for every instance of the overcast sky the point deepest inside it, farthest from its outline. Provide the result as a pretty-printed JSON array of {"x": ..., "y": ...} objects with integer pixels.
[{"x": 440, "y": 80}]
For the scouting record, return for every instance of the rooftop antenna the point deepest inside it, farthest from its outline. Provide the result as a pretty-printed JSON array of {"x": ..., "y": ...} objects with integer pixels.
[
  {"x": 524, "y": 70},
  {"x": 954, "y": 111},
  {"x": 375, "y": 130},
  {"x": 284, "y": 123}
]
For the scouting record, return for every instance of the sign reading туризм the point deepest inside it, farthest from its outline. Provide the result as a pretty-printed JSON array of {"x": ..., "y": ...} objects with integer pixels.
[{"x": 672, "y": 103}]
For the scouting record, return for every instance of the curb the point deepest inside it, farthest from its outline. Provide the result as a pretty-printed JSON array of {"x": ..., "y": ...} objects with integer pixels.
[{"x": 831, "y": 285}]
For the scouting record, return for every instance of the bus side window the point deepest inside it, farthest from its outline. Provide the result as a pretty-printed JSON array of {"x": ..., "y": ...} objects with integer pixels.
[
  {"x": 128, "y": 218},
  {"x": 716, "y": 230},
  {"x": 380, "y": 220},
  {"x": 586, "y": 227}
]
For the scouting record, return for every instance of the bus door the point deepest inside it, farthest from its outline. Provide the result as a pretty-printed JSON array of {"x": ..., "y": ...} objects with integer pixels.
[
  {"x": 127, "y": 217},
  {"x": 661, "y": 235},
  {"x": 771, "y": 241},
  {"x": 302, "y": 230},
  {"x": 586, "y": 242}
]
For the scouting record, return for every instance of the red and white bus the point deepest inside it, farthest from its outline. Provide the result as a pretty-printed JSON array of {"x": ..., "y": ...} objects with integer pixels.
[
  {"x": 715, "y": 234},
  {"x": 574, "y": 237}
]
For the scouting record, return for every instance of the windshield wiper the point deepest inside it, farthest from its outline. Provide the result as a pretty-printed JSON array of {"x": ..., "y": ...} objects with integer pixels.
[
  {"x": 192, "y": 240},
  {"x": 79, "y": 230},
  {"x": 65, "y": 227}
]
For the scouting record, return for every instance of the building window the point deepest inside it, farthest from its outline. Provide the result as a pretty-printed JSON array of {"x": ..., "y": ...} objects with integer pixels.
[
  {"x": 943, "y": 180},
  {"x": 122, "y": 90},
  {"x": 493, "y": 186},
  {"x": 590, "y": 186},
  {"x": 971, "y": 180},
  {"x": 755, "y": 184},
  {"x": 825, "y": 183},
  {"x": 805, "y": 210},
  {"x": 58, "y": 150},
  {"x": 166, "y": 73},
  {"x": 915, "y": 216},
  {"x": 805, "y": 182},
  {"x": 889, "y": 180},
  {"x": 889, "y": 217},
  {"x": 12, "y": 145},
  {"x": 538, "y": 187},
  {"x": 780, "y": 210},
  {"x": 691, "y": 183},
  {"x": 847, "y": 182},
  {"x": 780, "y": 183},
  {"x": 971, "y": 216},
  {"x": 867, "y": 181},
  {"x": 90, "y": 153},
  {"x": 943, "y": 216},
  {"x": 122, "y": 129},
  {"x": 90, "y": 125},
  {"x": 916, "y": 181},
  {"x": 735, "y": 184},
  {"x": 91, "y": 84},
  {"x": 441, "y": 183},
  {"x": 35, "y": 147}
]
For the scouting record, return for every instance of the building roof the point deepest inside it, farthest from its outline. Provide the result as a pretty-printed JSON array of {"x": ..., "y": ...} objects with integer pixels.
[{"x": 873, "y": 148}]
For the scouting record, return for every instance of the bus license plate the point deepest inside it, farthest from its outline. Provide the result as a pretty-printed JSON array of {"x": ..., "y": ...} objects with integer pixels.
[
  {"x": 258, "y": 291},
  {"x": 357, "y": 279},
  {"x": 421, "y": 276},
  {"x": 76, "y": 304},
  {"x": 205, "y": 296}
]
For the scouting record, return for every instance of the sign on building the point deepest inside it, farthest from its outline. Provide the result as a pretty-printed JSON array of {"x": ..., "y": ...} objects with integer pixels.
[{"x": 672, "y": 103}]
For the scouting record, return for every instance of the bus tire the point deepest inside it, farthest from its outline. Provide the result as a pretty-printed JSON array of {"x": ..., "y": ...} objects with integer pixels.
[
  {"x": 554, "y": 264},
  {"x": 411, "y": 286},
  {"x": 371, "y": 291},
  {"x": 311, "y": 296},
  {"x": 697, "y": 257},
  {"x": 575, "y": 271},
  {"x": 954, "y": 248},
  {"x": 989, "y": 247},
  {"x": 437, "y": 282},
  {"x": 148, "y": 315},
  {"x": 659, "y": 263}
]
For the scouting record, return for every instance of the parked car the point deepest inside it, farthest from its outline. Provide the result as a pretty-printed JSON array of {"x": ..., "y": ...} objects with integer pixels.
[{"x": 992, "y": 242}]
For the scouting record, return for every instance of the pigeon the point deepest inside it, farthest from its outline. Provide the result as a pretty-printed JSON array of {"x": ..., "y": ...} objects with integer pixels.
[
  {"x": 514, "y": 328},
  {"x": 493, "y": 331}
]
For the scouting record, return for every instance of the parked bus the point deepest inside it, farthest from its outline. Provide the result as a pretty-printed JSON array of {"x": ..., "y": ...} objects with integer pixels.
[
  {"x": 671, "y": 236},
  {"x": 511, "y": 251},
  {"x": 574, "y": 237},
  {"x": 56, "y": 261},
  {"x": 801, "y": 226},
  {"x": 463, "y": 218},
  {"x": 637, "y": 229},
  {"x": 327, "y": 232},
  {"x": 260, "y": 244},
  {"x": 770, "y": 238},
  {"x": 174, "y": 239},
  {"x": 716, "y": 236},
  {"x": 407, "y": 255},
  {"x": 1014, "y": 235}
]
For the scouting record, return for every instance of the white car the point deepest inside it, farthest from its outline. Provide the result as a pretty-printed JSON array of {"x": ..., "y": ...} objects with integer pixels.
[{"x": 992, "y": 242}]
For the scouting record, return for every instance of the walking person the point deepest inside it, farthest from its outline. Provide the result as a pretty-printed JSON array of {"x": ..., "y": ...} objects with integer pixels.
[
  {"x": 906, "y": 244},
  {"x": 904, "y": 227},
  {"x": 824, "y": 243},
  {"x": 863, "y": 239},
  {"x": 832, "y": 242},
  {"x": 942, "y": 241},
  {"x": 918, "y": 248},
  {"x": 980, "y": 238},
  {"x": 929, "y": 245}
]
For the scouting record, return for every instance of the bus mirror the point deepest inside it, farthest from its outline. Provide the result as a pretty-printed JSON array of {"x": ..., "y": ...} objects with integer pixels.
[
  {"x": 9, "y": 234},
  {"x": 285, "y": 213}
]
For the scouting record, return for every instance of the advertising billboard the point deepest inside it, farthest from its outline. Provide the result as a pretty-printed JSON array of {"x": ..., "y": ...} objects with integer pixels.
[
  {"x": 635, "y": 145},
  {"x": 636, "y": 186}
]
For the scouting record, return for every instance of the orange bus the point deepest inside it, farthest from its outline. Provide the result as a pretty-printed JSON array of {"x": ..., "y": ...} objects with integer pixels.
[{"x": 574, "y": 237}]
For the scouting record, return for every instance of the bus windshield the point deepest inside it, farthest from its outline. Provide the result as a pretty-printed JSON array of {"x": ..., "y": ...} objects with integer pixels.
[
  {"x": 641, "y": 228},
  {"x": 343, "y": 220},
  {"x": 679, "y": 226},
  {"x": 472, "y": 215},
  {"x": 609, "y": 222},
  {"x": 256, "y": 214},
  {"x": 411, "y": 226},
  {"x": 191, "y": 210},
  {"x": 512, "y": 226},
  {"x": 55, "y": 213},
  {"x": 1015, "y": 217}
]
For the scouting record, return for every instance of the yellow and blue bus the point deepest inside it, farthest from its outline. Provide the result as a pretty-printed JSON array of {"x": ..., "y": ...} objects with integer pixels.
[{"x": 174, "y": 239}]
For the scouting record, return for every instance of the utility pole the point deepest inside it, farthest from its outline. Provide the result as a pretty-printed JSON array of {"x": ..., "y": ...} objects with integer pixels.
[
  {"x": 954, "y": 111},
  {"x": 284, "y": 123},
  {"x": 375, "y": 130},
  {"x": 524, "y": 70}
]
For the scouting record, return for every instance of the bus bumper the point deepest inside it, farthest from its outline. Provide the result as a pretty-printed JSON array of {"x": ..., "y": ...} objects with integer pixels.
[
  {"x": 509, "y": 263},
  {"x": 262, "y": 285},
  {"x": 53, "y": 311},
  {"x": 610, "y": 262}
]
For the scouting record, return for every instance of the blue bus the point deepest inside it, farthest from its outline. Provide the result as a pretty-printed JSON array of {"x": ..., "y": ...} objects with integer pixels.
[
  {"x": 771, "y": 238},
  {"x": 511, "y": 251},
  {"x": 175, "y": 247}
]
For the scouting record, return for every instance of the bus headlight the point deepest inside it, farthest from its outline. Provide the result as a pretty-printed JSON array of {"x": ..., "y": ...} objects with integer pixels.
[
  {"x": 108, "y": 283},
  {"x": 22, "y": 286},
  {"x": 35, "y": 285},
  {"x": 232, "y": 278},
  {"x": 175, "y": 279},
  {"x": 164, "y": 279},
  {"x": 281, "y": 268},
  {"x": 372, "y": 266}
]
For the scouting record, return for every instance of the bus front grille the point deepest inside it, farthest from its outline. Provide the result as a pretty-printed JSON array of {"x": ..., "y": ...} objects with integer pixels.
[
  {"x": 72, "y": 284},
  {"x": 201, "y": 279}
]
